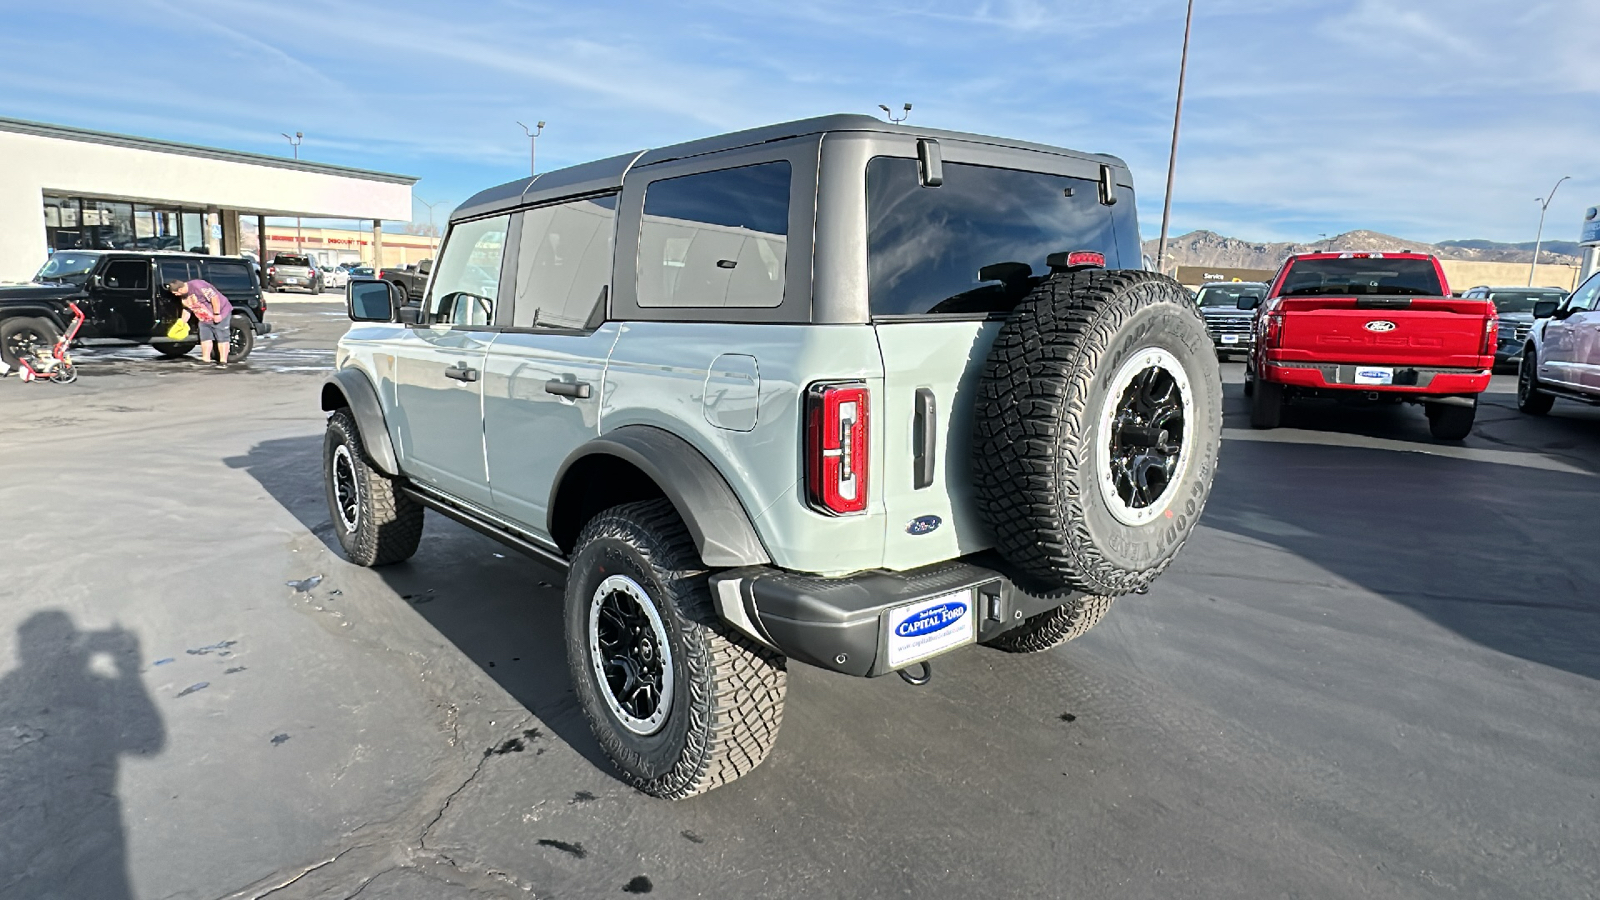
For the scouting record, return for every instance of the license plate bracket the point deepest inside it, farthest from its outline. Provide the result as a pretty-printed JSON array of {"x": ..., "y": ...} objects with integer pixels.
[
  {"x": 1374, "y": 375},
  {"x": 927, "y": 628}
]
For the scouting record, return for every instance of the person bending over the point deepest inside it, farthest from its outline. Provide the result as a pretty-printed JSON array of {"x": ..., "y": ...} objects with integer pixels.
[{"x": 212, "y": 311}]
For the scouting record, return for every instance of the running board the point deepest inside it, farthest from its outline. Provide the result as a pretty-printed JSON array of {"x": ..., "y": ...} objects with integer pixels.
[{"x": 485, "y": 524}]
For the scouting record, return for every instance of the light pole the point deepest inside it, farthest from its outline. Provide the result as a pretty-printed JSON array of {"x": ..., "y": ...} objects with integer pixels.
[
  {"x": 905, "y": 112},
  {"x": 1177, "y": 116},
  {"x": 533, "y": 142},
  {"x": 1539, "y": 237},
  {"x": 432, "y": 233},
  {"x": 295, "y": 143}
]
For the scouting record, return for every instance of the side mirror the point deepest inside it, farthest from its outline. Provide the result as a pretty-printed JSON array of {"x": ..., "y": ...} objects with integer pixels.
[
  {"x": 370, "y": 300},
  {"x": 1246, "y": 301},
  {"x": 425, "y": 267},
  {"x": 1544, "y": 309}
]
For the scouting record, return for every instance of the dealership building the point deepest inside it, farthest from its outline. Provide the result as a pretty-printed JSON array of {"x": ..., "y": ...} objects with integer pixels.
[{"x": 69, "y": 188}]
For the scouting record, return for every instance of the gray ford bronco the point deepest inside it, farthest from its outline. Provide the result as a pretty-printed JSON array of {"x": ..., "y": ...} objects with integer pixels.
[{"x": 836, "y": 391}]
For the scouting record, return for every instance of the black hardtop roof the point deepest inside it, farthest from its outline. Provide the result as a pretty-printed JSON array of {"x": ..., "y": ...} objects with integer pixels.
[
  {"x": 163, "y": 254},
  {"x": 607, "y": 174}
]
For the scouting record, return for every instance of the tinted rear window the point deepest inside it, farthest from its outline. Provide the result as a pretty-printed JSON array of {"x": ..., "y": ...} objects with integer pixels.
[
  {"x": 978, "y": 243},
  {"x": 291, "y": 260},
  {"x": 232, "y": 279},
  {"x": 1357, "y": 276},
  {"x": 1227, "y": 296},
  {"x": 1522, "y": 301},
  {"x": 716, "y": 238}
]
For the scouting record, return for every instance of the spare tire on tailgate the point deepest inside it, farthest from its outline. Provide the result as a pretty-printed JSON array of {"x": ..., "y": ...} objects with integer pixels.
[{"x": 1097, "y": 425}]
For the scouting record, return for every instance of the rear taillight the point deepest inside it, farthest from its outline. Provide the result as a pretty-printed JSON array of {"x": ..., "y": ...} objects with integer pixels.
[
  {"x": 272, "y": 270},
  {"x": 1274, "y": 331},
  {"x": 1491, "y": 334},
  {"x": 836, "y": 447}
]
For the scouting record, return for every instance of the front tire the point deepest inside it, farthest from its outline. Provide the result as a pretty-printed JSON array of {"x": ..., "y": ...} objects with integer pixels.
[
  {"x": 1053, "y": 628},
  {"x": 24, "y": 337},
  {"x": 173, "y": 351},
  {"x": 1530, "y": 399},
  {"x": 679, "y": 702},
  {"x": 376, "y": 524}
]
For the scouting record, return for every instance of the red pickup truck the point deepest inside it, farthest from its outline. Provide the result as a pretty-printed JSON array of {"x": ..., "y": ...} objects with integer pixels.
[{"x": 1370, "y": 327}]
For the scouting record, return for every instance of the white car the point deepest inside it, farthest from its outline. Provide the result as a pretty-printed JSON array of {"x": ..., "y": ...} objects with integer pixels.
[{"x": 334, "y": 278}]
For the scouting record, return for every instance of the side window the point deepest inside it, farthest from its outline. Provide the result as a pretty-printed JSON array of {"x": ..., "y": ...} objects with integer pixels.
[
  {"x": 466, "y": 281},
  {"x": 716, "y": 239},
  {"x": 229, "y": 278},
  {"x": 175, "y": 270},
  {"x": 127, "y": 275},
  {"x": 1583, "y": 299},
  {"x": 564, "y": 263}
]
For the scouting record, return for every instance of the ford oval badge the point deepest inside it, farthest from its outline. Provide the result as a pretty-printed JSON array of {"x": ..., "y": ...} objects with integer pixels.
[
  {"x": 923, "y": 524},
  {"x": 1379, "y": 325},
  {"x": 934, "y": 618}
]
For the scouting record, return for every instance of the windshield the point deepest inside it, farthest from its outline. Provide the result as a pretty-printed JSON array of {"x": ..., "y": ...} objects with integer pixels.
[
  {"x": 1357, "y": 276},
  {"x": 1522, "y": 301},
  {"x": 1226, "y": 296},
  {"x": 67, "y": 267}
]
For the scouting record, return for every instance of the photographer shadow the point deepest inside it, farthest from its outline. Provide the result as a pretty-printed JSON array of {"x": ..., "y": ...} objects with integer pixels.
[{"x": 70, "y": 710}]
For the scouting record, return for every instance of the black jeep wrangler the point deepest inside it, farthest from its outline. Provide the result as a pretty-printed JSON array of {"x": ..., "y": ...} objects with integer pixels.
[{"x": 121, "y": 295}]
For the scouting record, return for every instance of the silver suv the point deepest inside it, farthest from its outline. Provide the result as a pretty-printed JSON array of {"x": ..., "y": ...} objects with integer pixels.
[
  {"x": 835, "y": 391},
  {"x": 1561, "y": 356}
]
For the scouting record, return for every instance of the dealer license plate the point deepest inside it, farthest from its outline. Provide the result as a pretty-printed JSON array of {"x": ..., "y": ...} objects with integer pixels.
[
  {"x": 1374, "y": 375},
  {"x": 1230, "y": 339},
  {"x": 930, "y": 627}
]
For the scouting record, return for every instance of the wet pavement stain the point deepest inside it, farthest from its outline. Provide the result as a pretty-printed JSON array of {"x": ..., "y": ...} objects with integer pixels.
[
  {"x": 306, "y": 584},
  {"x": 581, "y": 797},
  {"x": 1068, "y": 717},
  {"x": 220, "y": 648},
  {"x": 573, "y": 849},
  {"x": 691, "y": 837},
  {"x": 279, "y": 739},
  {"x": 162, "y": 662},
  {"x": 638, "y": 885},
  {"x": 194, "y": 687},
  {"x": 512, "y": 745},
  {"x": 234, "y": 670}
]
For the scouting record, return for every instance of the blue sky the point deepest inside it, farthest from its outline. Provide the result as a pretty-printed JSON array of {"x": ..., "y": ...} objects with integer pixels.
[{"x": 1431, "y": 119}]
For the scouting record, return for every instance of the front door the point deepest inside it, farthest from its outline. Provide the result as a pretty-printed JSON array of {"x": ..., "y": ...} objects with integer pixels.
[
  {"x": 438, "y": 415},
  {"x": 1569, "y": 336},
  {"x": 122, "y": 301},
  {"x": 546, "y": 372}
]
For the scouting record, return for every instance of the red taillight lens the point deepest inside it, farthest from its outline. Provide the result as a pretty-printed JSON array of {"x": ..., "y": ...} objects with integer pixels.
[
  {"x": 837, "y": 453},
  {"x": 1274, "y": 330},
  {"x": 1491, "y": 334},
  {"x": 272, "y": 270}
]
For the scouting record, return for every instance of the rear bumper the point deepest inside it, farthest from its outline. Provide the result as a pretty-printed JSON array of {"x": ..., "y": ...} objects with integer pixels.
[
  {"x": 261, "y": 327},
  {"x": 843, "y": 624},
  {"x": 1407, "y": 379}
]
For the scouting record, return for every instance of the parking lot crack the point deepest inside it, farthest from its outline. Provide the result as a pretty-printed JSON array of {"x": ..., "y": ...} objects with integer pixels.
[{"x": 307, "y": 871}]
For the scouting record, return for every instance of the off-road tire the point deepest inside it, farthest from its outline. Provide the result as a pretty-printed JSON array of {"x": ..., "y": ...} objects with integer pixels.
[
  {"x": 1266, "y": 404},
  {"x": 43, "y": 333},
  {"x": 173, "y": 351},
  {"x": 1451, "y": 423},
  {"x": 727, "y": 692},
  {"x": 1054, "y": 627},
  {"x": 388, "y": 524},
  {"x": 1530, "y": 399},
  {"x": 1045, "y": 388},
  {"x": 241, "y": 339}
]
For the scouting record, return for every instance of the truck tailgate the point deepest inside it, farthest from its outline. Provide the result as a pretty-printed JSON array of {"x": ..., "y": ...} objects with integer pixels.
[{"x": 1411, "y": 331}]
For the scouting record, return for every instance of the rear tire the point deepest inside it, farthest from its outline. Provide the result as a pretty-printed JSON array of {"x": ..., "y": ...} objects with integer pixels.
[
  {"x": 376, "y": 524},
  {"x": 1096, "y": 430},
  {"x": 1451, "y": 423},
  {"x": 1266, "y": 404},
  {"x": 678, "y": 701},
  {"x": 1053, "y": 628},
  {"x": 1530, "y": 399},
  {"x": 241, "y": 339},
  {"x": 26, "y": 336}
]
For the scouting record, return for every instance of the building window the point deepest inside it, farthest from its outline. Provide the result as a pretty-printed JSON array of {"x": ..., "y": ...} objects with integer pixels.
[
  {"x": 194, "y": 232},
  {"x": 62, "y": 223}
]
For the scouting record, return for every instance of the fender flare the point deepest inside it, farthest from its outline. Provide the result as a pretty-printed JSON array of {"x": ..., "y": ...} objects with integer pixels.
[
  {"x": 717, "y": 521},
  {"x": 40, "y": 311},
  {"x": 362, "y": 400}
]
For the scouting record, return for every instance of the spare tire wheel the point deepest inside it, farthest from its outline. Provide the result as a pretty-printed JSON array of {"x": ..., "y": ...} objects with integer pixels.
[{"x": 1097, "y": 425}]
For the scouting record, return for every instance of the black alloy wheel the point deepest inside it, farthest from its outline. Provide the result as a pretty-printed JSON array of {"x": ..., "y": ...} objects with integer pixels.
[
  {"x": 1147, "y": 437},
  {"x": 26, "y": 338}
]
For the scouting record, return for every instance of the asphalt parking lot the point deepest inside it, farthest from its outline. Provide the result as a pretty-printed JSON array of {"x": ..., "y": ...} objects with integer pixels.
[{"x": 1374, "y": 672}]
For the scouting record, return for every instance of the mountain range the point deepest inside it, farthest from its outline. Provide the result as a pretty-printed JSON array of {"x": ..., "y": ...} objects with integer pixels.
[{"x": 1207, "y": 248}]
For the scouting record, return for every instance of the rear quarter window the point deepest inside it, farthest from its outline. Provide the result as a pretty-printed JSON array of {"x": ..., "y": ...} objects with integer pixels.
[
  {"x": 978, "y": 243},
  {"x": 229, "y": 278},
  {"x": 716, "y": 239}
]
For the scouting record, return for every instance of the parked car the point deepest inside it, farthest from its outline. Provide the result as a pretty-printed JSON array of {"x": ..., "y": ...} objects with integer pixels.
[
  {"x": 798, "y": 412},
  {"x": 291, "y": 270},
  {"x": 1370, "y": 327},
  {"x": 410, "y": 279},
  {"x": 334, "y": 277},
  {"x": 1562, "y": 355},
  {"x": 362, "y": 272},
  {"x": 121, "y": 295},
  {"x": 1229, "y": 325},
  {"x": 1515, "y": 308}
]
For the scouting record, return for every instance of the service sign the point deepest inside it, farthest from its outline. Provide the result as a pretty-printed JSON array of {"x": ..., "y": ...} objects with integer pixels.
[{"x": 1591, "y": 226}]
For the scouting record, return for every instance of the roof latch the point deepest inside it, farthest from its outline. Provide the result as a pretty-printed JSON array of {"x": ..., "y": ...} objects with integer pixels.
[{"x": 930, "y": 164}]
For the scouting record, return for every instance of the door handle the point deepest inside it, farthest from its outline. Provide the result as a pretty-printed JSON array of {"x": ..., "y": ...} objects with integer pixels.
[
  {"x": 924, "y": 439},
  {"x": 461, "y": 373},
  {"x": 578, "y": 390}
]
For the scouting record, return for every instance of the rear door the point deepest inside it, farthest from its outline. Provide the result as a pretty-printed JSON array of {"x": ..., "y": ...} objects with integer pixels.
[
  {"x": 166, "y": 307},
  {"x": 546, "y": 371},
  {"x": 945, "y": 264},
  {"x": 439, "y": 365}
]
